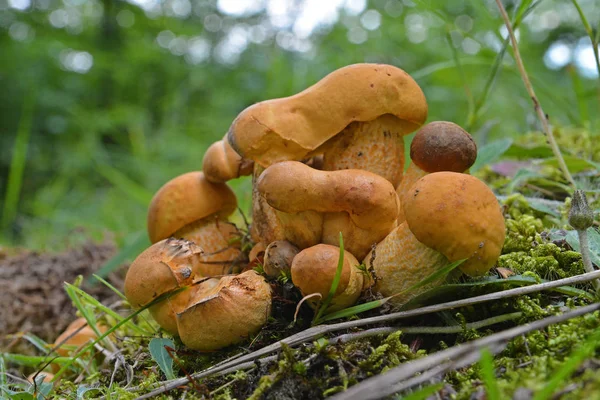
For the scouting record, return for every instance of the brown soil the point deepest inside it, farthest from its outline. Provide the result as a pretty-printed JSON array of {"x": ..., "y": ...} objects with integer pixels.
[{"x": 32, "y": 296}]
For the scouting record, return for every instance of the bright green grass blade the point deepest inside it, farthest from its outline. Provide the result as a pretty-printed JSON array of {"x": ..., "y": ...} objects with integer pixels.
[
  {"x": 334, "y": 284},
  {"x": 17, "y": 165},
  {"x": 111, "y": 287},
  {"x": 350, "y": 311},
  {"x": 3, "y": 381},
  {"x": 563, "y": 373},
  {"x": 33, "y": 361},
  {"x": 488, "y": 375},
  {"x": 423, "y": 393}
]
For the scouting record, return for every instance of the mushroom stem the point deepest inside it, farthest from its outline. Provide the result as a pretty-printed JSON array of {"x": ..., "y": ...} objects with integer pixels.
[
  {"x": 376, "y": 146},
  {"x": 400, "y": 261}
]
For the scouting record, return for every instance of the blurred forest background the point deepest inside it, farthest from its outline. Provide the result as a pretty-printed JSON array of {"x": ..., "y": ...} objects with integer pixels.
[{"x": 103, "y": 101}]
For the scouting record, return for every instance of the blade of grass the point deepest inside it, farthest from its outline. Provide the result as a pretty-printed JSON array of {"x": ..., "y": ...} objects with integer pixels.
[
  {"x": 488, "y": 374},
  {"x": 424, "y": 393},
  {"x": 33, "y": 361},
  {"x": 111, "y": 287},
  {"x": 17, "y": 164},
  {"x": 334, "y": 284},
  {"x": 377, "y": 303},
  {"x": 3, "y": 381},
  {"x": 461, "y": 73}
]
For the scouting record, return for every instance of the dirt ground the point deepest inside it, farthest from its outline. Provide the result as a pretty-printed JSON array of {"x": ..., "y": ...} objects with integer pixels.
[{"x": 31, "y": 289}]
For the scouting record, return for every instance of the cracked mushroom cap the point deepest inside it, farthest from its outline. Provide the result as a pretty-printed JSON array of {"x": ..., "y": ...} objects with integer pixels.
[
  {"x": 291, "y": 128},
  {"x": 443, "y": 146},
  {"x": 314, "y": 269},
  {"x": 221, "y": 163},
  {"x": 459, "y": 216},
  {"x": 185, "y": 199},
  {"x": 237, "y": 307},
  {"x": 161, "y": 268}
]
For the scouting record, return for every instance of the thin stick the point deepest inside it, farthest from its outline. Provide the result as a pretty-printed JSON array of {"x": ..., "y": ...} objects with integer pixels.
[
  {"x": 387, "y": 384},
  {"x": 536, "y": 104},
  {"x": 426, "y": 330},
  {"x": 317, "y": 331}
]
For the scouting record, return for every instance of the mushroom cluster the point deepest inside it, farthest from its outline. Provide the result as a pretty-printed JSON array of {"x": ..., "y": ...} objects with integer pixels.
[{"x": 325, "y": 161}]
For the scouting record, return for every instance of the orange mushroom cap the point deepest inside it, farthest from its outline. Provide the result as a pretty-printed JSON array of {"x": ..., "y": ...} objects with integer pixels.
[
  {"x": 186, "y": 199},
  {"x": 291, "y": 128},
  {"x": 459, "y": 216}
]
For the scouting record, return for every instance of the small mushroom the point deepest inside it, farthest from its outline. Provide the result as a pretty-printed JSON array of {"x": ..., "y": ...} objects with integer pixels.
[
  {"x": 438, "y": 146},
  {"x": 221, "y": 163},
  {"x": 191, "y": 207},
  {"x": 314, "y": 269},
  {"x": 360, "y": 204},
  {"x": 228, "y": 313},
  {"x": 278, "y": 258}
]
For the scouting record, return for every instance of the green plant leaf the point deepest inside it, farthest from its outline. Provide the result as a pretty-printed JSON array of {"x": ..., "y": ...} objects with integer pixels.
[
  {"x": 575, "y": 164},
  {"x": 540, "y": 206},
  {"x": 526, "y": 153},
  {"x": 490, "y": 152},
  {"x": 82, "y": 390},
  {"x": 522, "y": 175},
  {"x": 162, "y": 357},
  {"x": 488, "y": 375}
]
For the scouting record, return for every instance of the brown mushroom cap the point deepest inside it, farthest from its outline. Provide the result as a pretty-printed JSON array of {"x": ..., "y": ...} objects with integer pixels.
[
  {"x": 291, "y": 128},
  {"x": 314, "y": 269},
  {"x": 226, "y": 314},
  {"x": 443, "y": 146},
  {"x": 459, "y": 216},
  {"x": 162, "y": 267},
  {"x": 185, "y": 199},
  {"x": 221, "y": 163}
]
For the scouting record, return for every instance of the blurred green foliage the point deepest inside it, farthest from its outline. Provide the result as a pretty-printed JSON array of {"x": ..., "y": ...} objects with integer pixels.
[{"x": 103, "y": 101}]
